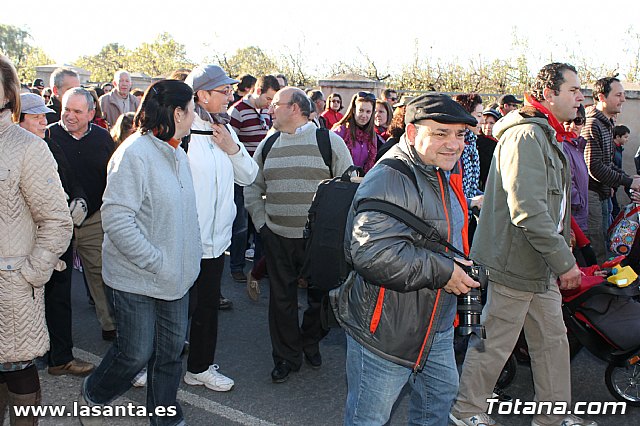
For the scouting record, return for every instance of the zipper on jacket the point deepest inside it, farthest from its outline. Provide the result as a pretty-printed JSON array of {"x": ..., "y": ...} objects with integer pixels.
[{"x": 435, "y": 304}]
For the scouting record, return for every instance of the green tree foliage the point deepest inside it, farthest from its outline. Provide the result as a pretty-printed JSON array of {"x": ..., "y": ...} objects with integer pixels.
[
  {"x": 250, "y": 60},
  {"x": 110, "y": 59},
  {"x": 14, "y": 43},
  {"x": 156, "y": 59},
  {"x": 159, "y": 58},
  {"x": 33, "y": 58}
]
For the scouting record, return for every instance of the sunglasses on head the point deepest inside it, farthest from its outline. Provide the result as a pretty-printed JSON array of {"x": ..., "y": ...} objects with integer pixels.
[{"x": 367, "y": 95}]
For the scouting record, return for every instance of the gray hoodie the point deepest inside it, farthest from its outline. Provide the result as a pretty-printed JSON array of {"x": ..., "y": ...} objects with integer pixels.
[{"x": 152, "y": 238}]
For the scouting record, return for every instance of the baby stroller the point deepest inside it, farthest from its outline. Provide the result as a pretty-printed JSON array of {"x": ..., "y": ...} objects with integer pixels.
[{"x": 604, "y": 319}]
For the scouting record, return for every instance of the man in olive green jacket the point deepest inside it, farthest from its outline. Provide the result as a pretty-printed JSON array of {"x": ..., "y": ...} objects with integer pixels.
[{"x": 523, "y": 239}]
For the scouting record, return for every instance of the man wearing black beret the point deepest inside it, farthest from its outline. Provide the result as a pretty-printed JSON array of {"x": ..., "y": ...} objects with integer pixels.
[{"x": 398, "y": 304}]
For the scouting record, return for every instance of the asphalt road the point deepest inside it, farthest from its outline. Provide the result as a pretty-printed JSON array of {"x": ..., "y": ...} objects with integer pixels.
[{"x": 309, "y": 397}]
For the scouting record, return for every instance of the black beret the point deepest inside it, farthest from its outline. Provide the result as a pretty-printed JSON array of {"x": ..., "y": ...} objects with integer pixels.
[{"x": 437, "y": 107}]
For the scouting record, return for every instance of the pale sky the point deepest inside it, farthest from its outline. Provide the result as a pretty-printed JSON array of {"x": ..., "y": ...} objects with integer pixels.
[{"x": 329, "y": 31}]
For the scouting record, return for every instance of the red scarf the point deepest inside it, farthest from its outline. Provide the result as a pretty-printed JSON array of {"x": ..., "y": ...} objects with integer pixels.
[{"x": 561, "y": 134}]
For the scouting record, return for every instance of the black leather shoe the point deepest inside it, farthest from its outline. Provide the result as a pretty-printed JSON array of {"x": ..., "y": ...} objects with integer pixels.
[
  {"x": 109, "y": 335},
  {"x": 239, "y": 277},
  {"x": 280, "y": 373},
  {"x": 225, "y": 304},
  {"x": 315, "y": 361}
]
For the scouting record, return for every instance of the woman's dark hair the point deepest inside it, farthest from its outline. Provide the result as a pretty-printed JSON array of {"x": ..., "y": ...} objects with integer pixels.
[
  {"x": 396, "y": 128},
  {"x": 158, "y": 104},
  {"x": 330, "y": 98},
  {"x": 581, "y": 111},
  {"x": 349, "y": 119},
  {"x": 469, "y": 101},
  {"x": 620, "y": 130},
  {"x": 387, "y": 106},
  {"x": 122, "y": 127}
]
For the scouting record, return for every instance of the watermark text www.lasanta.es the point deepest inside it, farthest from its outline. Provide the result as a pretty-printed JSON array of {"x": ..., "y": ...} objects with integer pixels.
[
  {"x": 127, "y": 410},
  {"x": 559, "y": 407}
]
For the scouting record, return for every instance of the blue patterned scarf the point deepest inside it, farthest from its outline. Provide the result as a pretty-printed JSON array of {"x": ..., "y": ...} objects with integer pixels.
[{"x": 470, "y": 166}]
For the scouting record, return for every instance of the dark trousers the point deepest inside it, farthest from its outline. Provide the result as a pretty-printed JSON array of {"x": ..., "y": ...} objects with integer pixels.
[
  {"x": 285, "y": 259},
  {"x": 204, "y": 301},
  {"x": 57, "y": 310},
  {"x": 238, "y": 231}
]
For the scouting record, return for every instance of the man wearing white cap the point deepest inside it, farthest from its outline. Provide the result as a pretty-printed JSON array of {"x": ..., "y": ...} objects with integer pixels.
[{"x": 57, "y": 292}]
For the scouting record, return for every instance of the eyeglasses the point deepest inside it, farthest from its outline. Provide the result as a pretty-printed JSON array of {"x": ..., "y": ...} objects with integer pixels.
[
  {"x": 392, "y": 99},
  {"x": 227, "y": 91},
  {"x": 273, "y": 105},
  {"x": 336, "y": 101},
  {"x": 578, "y": 121},
  {"x": 367, "y": 95}
]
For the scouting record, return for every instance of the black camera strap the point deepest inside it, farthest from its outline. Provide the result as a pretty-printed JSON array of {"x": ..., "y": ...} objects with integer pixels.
[{"x": 425, "y": 229}]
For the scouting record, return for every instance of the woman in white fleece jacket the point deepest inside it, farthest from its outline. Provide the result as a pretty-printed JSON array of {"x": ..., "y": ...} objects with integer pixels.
[{"x": 217, "y": 160}]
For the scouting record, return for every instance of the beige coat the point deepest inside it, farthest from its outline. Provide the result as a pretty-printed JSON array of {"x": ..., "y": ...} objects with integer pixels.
[
  {"x": 112, "y": 105},
  {"x": 35, "y": 229}
]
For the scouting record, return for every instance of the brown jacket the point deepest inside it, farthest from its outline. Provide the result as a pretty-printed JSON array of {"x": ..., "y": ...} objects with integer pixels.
[
  {"x": 35, "y": 229},
  {"x": 112, "y": 106}
]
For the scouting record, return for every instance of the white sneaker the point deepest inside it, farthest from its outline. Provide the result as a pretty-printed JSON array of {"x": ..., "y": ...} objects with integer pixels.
[
  {"x": 249, "y": 253},
  {"x": 571, "y": 420},
  {"x": 141, "y": 379},
  {"x": 481, "y": 419},
  {"x": 210, "y": 378}
]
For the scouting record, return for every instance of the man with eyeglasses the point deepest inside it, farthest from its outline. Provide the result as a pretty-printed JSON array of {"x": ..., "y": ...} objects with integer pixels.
[
  {"x": 278, "y": 202},
  {"x": 604, "y": 175},
  {"x": 508, "y": 103},
  {"x": 523, "y": 239},
  {"x": 399, "y": 304},
  {"x": 391, "y": 96}
]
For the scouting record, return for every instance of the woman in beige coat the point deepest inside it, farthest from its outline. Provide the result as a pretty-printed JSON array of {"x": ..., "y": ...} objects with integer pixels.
[{"x": 35, "y": 229}]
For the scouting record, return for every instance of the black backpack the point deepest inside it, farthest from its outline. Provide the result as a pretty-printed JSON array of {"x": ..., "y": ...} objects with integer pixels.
[{"x": 325, "y": 265}]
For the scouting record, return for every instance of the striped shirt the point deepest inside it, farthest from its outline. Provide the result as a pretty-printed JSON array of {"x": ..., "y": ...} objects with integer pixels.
[
  {"x": 598, "y": 155},
  {"x": 250, "y": 125},
  {"x": 289, "y": 178}
]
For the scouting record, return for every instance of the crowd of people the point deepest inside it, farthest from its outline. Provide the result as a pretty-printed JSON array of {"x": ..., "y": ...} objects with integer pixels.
[{"x": 153, "y": 190}]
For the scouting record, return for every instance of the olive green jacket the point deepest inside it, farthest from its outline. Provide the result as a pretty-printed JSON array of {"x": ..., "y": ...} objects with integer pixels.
[{"x": 517, "y": 236}]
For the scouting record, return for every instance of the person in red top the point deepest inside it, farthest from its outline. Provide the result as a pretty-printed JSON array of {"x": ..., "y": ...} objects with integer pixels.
[{"x": 331, "y": 114}]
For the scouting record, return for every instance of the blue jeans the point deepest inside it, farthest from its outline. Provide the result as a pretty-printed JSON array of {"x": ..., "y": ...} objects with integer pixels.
[
  {"x": 150, "y": 333},
  {"x": 375, "y": 383},
  {"x": 238, "y": 232}
]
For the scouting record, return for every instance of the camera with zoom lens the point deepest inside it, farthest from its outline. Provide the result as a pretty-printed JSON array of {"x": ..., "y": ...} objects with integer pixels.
[{"x": 470, "y": 304}]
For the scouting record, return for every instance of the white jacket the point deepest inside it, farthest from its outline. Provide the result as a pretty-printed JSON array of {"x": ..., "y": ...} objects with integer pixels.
[{"x": 214, "y": 173}]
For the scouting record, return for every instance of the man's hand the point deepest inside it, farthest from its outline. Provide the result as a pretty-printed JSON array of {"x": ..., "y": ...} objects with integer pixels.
[
  {"x": 635, "y": 185},
  {"x": 477, "y": 202},
  {"x": 460, "y": 282},
  {"x": 571, "y": 279},
  {"x": 78, "y": 208}
]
